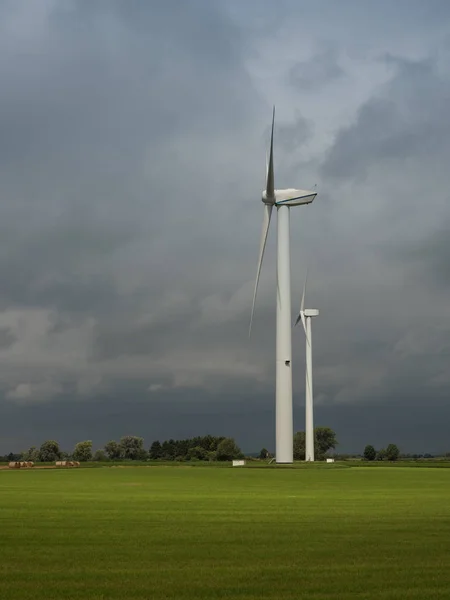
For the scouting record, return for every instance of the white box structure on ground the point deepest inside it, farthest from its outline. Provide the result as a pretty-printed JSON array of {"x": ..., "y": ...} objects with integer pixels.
[
  {"x": 330, "y": 459},
  {"x": 238, "y": 463}
]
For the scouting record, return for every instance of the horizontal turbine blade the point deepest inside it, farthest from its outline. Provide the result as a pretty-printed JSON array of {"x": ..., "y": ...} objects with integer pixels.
[{"x": 264, "y": 232}]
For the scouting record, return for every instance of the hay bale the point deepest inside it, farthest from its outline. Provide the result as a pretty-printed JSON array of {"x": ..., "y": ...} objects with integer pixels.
[
  {"x": 60, "y": 463},
  {"x": 14, "y": 465},
  {"x": 30, "y": 463},
  {"x": 76, "y": 463}
]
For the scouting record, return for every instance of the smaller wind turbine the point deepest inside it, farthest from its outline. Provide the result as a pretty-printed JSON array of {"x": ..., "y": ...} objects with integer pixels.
[{"x": 305, "y": 315}]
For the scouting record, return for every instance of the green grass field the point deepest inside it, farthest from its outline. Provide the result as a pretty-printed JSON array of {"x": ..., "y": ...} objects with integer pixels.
[{"x": 182, "y": 532}]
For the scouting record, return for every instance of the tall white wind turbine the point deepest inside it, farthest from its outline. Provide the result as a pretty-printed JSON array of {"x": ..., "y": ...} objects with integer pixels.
[
  {"x": 282, "y": 200},
  {"x": 305, "y": 315}
]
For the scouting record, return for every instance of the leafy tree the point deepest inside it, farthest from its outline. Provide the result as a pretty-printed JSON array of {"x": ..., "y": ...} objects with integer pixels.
[
  {"x": 83, "y": 451},
  {"x": 210, "y": 443},
  {"x": 370, "y": 453},
  {"x": 11, "y": 457},
  {"x": 325, "y": 440},
  {"x": 155, "y": 450},
  {"x": 264, "y": 453},
  {"x": 299, "y": 445},
  {"x": 31, "y": 454},
  {"x": 168, "y": 450},
  {"x": 211, "y": 455},
  {"x": 113, "y": 450},
  {"x": 100, "y": 456},
  {"x": 132, "y": 447},
  {"x": 381, "y": 454},
  {"x": 49, "y": 451},
  {"x": 177, "y": 449},
  {"x": 392, "y": 452},
  {"x": 228, "y": 450},
  {"x": 197, "y": 453}
]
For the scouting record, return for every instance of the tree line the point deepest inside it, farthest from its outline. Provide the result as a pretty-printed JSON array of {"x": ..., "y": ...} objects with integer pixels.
[
  {"x": 130, "y": 447},
  {"x": 200, "y": 448},
  {"x": 390, "y": 453}
]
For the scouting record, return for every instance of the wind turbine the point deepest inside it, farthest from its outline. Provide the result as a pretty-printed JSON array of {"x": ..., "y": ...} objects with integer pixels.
[
  {"x": 305, "y": 315},
  {"x": 282, "y": 200}
]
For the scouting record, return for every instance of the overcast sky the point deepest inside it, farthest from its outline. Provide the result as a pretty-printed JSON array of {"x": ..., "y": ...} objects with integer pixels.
[{"x": 132, "y": 158}]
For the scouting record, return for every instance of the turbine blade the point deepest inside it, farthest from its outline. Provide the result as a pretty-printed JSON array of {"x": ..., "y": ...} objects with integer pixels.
[
  {"x": 302, "y": 304},
  {"x": 270, "y": 185},
  {"x": 264, "y": 232},
  {"x": 301, "y": 316}
]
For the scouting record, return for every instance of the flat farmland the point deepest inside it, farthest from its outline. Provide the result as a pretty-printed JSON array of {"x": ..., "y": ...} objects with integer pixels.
[{"x": 184, "y": 532}]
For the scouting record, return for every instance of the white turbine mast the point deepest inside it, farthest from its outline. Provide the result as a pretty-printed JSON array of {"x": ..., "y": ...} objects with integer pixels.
[
  {"x": 282, "y": 200},
  {"x": 305, "y": 315}
]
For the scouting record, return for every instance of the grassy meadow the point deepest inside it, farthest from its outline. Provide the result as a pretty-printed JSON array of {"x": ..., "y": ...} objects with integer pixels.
[{"x": 160, "y": 532}]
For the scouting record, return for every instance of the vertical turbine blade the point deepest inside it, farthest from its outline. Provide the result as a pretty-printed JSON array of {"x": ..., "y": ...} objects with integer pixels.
[
  {"x": 301, "y": 314},
  {"x": 302, "y": 303},
  {"x": 264, "y": 232},
  {"x": 270, "y": 185}
]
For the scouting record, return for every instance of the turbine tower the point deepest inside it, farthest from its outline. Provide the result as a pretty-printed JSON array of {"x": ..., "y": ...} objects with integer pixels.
[
  {"x": 282, "y": 200},
  {"x": 305, "y": 315}
]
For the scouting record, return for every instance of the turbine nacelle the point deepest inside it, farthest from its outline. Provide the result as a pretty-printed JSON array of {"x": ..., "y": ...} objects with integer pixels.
[
  {"x": 311, "y": 312},
  {"x": 288, "y": 197},
  {"x": 292, "y": 197}
]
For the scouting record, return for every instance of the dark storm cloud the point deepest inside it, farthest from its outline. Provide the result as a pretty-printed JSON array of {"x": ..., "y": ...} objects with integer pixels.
[
  {"x": 131, "y": 162},
  {"x": 192, "y": 412},
  {"x": 118, "y": 122},
  {"x": 126, "y": 99}
]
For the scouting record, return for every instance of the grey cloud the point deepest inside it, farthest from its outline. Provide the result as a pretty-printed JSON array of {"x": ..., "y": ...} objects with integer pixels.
[
  {"x": 291, "y": 136},
  {"x": 152, "y": 340},
  {"x": 59, "y": 266},
  {"x": 7, "y": 338},
  {"x": 427, "y": 258},
  {"x": 407, "y": 119},
  {"x": 320, "y": 70}
]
